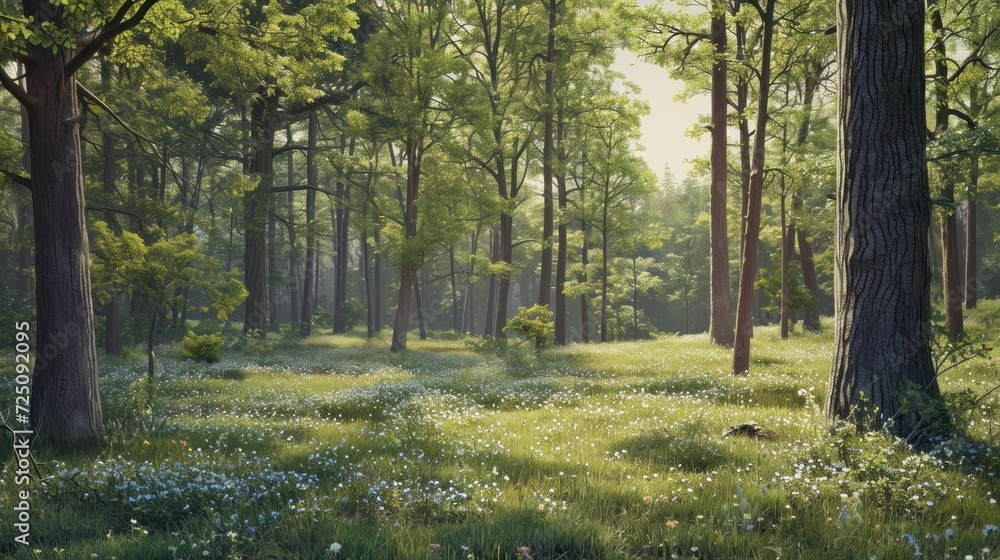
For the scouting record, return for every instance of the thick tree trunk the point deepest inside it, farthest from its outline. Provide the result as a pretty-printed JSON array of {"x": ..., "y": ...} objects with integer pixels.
[
  {"x": 414, "y": 154},
  {"x": 256, "y": 208},
  {"x": 65, "y": 402},
  {"x": 312, "y": 178},
  {"x": 720, "y": 302},
  {"x": 882, "y": 273},
  {"x": 971, "y": 266},
  {"x": 751, "y": 236},
  {"x": 545, "y": 275}
]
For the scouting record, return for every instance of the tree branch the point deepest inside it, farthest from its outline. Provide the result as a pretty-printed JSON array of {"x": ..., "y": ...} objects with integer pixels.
[{"x": 113, "y": 28}]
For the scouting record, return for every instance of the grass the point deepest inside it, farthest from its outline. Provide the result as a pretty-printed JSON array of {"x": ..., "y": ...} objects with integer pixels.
[{"x": 605, "y": 451}]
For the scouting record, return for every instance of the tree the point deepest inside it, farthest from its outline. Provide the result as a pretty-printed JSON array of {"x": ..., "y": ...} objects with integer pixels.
[
  {"x": 406, "y": 67},
  {"x": 53, "y": 42},
  {"x": 721, "y": 310},
  {"x": 883, "y": 215},
  {"x": 751, "y": 232}
]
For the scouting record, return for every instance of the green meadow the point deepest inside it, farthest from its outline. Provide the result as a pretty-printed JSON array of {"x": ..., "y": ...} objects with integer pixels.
[{"x": 331, "y": 447}]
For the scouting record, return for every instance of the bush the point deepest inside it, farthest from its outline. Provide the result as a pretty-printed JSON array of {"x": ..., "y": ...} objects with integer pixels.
[
  {"x": 519, "y": 357},
  {"x": 533, "y": 323},
  {"x": 354, "y": 313},
  {"x": 202, "y": 347}
]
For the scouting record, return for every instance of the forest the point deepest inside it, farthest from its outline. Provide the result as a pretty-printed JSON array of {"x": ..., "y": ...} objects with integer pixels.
[{"x": 396, "y": 279}]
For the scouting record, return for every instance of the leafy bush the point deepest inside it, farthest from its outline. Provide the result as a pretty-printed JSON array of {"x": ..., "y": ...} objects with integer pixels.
[
  {"x": 519, "y": 357},
  {"x": 255, "y": 343},
  {"x": 533, "y": 323},
  {"x": 354, "y": 313},
  {"x": 202, "y": 347}
]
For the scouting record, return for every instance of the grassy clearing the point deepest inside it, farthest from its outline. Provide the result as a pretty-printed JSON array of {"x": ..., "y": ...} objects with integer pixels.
[{"x": 606, "y": 451}]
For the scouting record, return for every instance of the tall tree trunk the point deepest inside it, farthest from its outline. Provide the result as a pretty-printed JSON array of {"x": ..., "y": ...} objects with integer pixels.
[
  {"x": 414, "y": 153},
  {"x": 272, "y": 272},
  {"x": 378, "y": 286},
  {"x": 560, "y": 314},
  {"x": 721, "y": 312},
  {"x": 949, "y": 229},
  {"x": 742, "y": 102},
  {"x": 810, "y": 317},
  {"x": 456, "y": 317},
  {"x": 882, "y": 276},
  {"x": 421, "y": 322},
  {"x": 971, "y": 266},
  {"x": 953, "y": 287},
  {"x": 751, "y": 236},
  {"x": 787, "y": 248},
  {"x": 312, "y": 178},
  {"x": 112, "y": 310},
  {"x": 604, "y": 267},
  {"x": 545, "y": 276},
  {"x": 503, "y": 283},
  {"x": 584, "y": 261},
  {"x": 468, "y": 322},
  {"x": 65, "y": 402},
  {"x": 293, "y": 264},
  {"x": 369, "y": 287},
  {"x": 256, "y": 208},
  {"x": 343, "y": 243},
  {"x": 22, "y": 290},
  {"x": 491, "y": 299}
]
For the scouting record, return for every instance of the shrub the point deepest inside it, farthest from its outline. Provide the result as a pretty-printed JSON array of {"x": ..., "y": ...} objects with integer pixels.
[
  {"x": 202, "y": 347},
  {"x": 353, "y": 312},
  {"x": 533, "y": 323}
]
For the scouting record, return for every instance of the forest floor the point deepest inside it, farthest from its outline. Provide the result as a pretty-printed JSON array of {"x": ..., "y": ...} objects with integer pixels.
[{"x": 333, "y": 448}]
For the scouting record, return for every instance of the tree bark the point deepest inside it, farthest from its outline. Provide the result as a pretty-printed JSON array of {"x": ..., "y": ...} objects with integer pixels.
[
  {"x": 65, "y": 402},
  {"x": 312, "y": 178},
  {"x": 293, "y": 264},
  {"x": 882, "y": 273},
  {"x": 560, "y": 314},
  {"x": 751, "y": 235},
  {"x": 949, "y": 229},
  {"x": 421, "y": 320},
  {"x": 410, "y": 261},
  {"x": 545, "y": 276},
  {"x": 720, "y": 303},
  {"x": 584, "y": 261},
  {"x": 343, "y": 243},
  {"x": 971, "y": 266},
  {"x": 256, "y": 208},
  {"x": 469, "y": 320},
  {"x": 491, "y": 300},
  {"x": 810, "y": 317}
]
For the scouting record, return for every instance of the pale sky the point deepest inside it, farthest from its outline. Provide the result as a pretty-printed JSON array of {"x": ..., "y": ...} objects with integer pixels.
[{"x": 663, "y": 129}]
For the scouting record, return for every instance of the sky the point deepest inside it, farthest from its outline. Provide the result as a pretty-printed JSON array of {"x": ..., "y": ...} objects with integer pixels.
[{"x": 663, "y": 129}]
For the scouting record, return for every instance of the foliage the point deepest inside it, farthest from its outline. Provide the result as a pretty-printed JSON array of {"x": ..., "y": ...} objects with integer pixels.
[
  {"x": 534, "y": 323},
  {"x": 202, "y": 347},
  {"x": 354, "y": 313}
]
